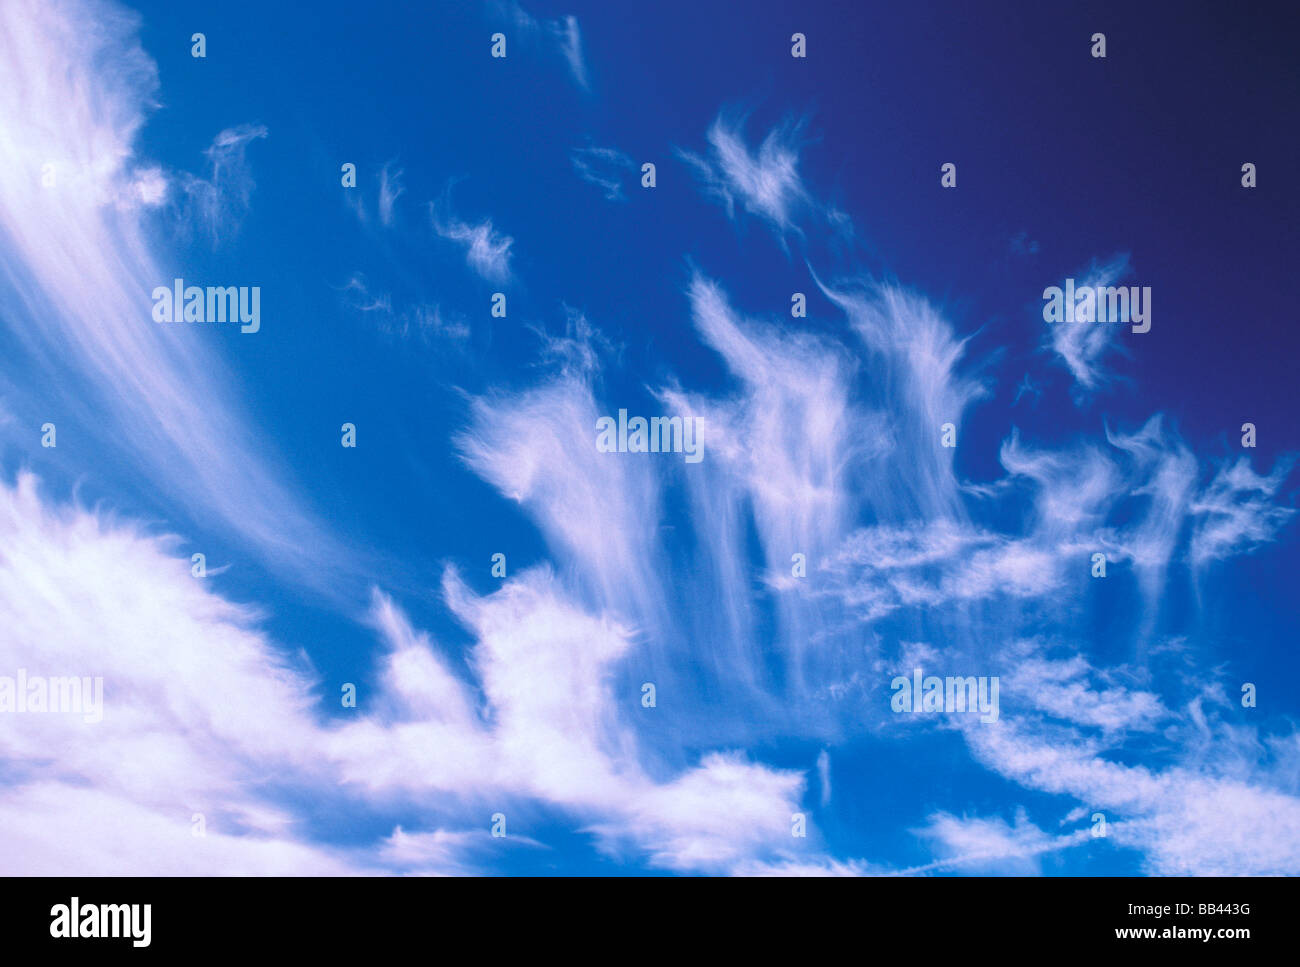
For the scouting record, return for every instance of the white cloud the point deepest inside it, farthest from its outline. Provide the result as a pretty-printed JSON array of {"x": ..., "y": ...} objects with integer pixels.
[
  {"x": 539, "y": 448},
  {"x": 197, "y": 709},
  {"x": 61, "y": 829},
  {"x": 487, "y": 251},
  {"x": 418, "y": 320},
  {"x": 1064, "y": 689},
  {"x": 82, "y": 250},
  {"x": 563, "y": 33},
  {"x": 603, "y": 167},
  {"x": 551, "y": 731},
  {"x": 990, "y": 844},
  {"x": 1184, "y": 821},
  {"x": 1234, "y": 514},
  {"x": 390, "y": 188},
  {"x": 201, "y": 710},
  {"x": 765, "y": 182},
  {"x": 570, "y": 39},
  {"x": 218, "y": 202},
  {"x": 1081, "y": 345}
]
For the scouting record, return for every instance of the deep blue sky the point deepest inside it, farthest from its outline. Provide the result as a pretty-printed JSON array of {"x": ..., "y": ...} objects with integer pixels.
[{"x": 1063, "y": 160}]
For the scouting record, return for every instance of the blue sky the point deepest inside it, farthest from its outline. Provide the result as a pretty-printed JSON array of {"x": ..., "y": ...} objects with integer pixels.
[{"x": 128, "y": 163}]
